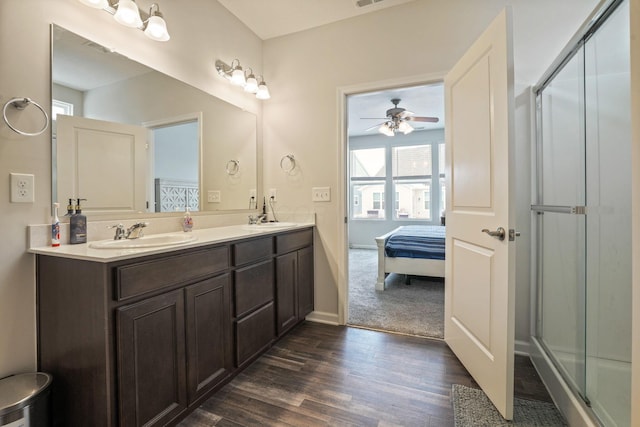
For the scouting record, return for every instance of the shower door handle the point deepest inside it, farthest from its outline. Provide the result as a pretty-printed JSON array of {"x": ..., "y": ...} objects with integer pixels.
[{"x": 499, "y": 234}]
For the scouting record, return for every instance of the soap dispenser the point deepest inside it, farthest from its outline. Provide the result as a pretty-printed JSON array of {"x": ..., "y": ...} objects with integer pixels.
[
  {"x": 187, "y": 221},
  {"x": 78, "y": 226}
]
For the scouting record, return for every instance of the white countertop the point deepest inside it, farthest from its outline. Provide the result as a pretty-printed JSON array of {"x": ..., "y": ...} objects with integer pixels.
[{"x": 203, "y": 237}]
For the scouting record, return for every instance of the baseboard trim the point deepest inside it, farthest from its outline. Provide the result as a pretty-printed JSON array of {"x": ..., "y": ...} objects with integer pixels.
[
  {"x": 373, "y": 247},
  {"x": 323, "y": 317},
  {"x": 522, "y": 348}
]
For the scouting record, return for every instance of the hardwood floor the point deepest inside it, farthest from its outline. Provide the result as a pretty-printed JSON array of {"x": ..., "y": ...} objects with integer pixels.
[{"x": 321, "y": 375}]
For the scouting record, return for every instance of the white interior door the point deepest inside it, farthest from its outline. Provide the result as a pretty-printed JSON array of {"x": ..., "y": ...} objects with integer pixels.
[
  {"x": 480, "y": 269},
  {"x": 104, "y": 162}
]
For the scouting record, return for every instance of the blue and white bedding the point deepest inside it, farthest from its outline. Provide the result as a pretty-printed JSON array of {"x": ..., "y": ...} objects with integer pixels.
[{"x": 417, "y": 241}]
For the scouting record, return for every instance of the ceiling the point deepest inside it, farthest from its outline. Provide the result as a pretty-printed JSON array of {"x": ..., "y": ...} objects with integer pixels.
[
  {"x": 421, "y": 100},
  {"x": 274, "y": 18}
]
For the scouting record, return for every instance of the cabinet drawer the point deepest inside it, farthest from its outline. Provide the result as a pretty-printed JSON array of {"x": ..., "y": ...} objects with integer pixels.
[
  {"x": 253, "y": 250},
  {"x": 292, "y": 241},
  {"x": 254, "y": 333},
  {"x": 253, "y": 287},
  {"x": 137, "y": 279}
]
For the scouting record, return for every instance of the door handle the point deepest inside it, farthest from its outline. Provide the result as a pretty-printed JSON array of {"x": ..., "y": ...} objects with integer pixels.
[{"x": 499, "y": 234}]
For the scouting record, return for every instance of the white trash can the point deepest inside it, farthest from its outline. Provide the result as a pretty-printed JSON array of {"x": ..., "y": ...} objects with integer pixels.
[{"x": 25, "y": 400}]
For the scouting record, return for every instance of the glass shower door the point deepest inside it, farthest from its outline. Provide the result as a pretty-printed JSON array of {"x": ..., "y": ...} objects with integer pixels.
[
  {"x": 561, "y": 227},
  {"x": 608, "y": 148},
  {"x": 584, "y": 218}
]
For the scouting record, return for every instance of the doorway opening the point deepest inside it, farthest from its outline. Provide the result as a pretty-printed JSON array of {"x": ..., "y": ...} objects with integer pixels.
[
  {"x": 174, "y": 166},
  {"x": 395, "y": 178}
]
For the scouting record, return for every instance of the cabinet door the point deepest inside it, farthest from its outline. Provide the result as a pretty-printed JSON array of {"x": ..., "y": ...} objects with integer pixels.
[
  {"x": 305, "y": 282},
  {"x": 254, "y": 333},
  {"x": 208, "y": 329},
  {"x": 286, "y": 295},
  {"x": 151, "y": 360}
]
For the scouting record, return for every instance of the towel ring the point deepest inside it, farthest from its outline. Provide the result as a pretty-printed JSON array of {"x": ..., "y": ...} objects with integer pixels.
[
  {"x": 233, "y": 166},
  {"x": 288, "y": 163},
  {"x": 21, "y": 104}
]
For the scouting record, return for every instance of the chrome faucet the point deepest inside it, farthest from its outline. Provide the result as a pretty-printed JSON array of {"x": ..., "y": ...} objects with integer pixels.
[
  {"x": 257, "y": 219},
  {"x": 119, "y": 231},
  {"x": 135, "y": 231}
]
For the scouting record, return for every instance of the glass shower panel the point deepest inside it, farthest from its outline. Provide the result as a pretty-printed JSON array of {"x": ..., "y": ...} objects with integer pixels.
[
  {"x": 562, "y": 276},
  {"x": 561, "y": 183},
  {"x": 563, "y": 136},
  {"x": 608, "y": 148}
]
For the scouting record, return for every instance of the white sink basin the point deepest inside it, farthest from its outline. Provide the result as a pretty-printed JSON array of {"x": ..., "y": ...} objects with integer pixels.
[
  {"x": 145, "y": 242},
  {"x": 269, "y": 225}
]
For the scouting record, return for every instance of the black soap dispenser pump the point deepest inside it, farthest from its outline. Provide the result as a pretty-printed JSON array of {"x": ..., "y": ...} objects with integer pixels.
[
  {"x": 70, "y": 208},
  {"x": 78, "y": 225}
]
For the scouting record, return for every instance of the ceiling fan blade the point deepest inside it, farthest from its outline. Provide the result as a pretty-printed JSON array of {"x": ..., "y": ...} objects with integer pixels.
[
  {"x": 423, "y": 119},
  {"x": 374, "y": 127},
  {"x": 405, "y": 114},
  {"x": 373, "y": 118}
]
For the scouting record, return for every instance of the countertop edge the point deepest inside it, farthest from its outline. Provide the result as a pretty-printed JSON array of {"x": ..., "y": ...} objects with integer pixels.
[{"x": 204, "y": 237}]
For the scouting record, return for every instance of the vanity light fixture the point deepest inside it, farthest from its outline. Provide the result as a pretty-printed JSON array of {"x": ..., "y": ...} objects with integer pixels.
[
  {"x": 246, "y": 79},
  {"x": 263, "y": 90},
  {"x": 127, "y": 13},
  {"x": 251, "y": 84}
]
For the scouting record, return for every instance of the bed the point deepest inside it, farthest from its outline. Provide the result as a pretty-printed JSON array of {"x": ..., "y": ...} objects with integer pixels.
[{"x": 411, "y": 250}]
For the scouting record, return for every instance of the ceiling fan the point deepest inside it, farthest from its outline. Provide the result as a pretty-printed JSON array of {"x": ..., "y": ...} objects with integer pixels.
[{"x": 397, "y": 120}]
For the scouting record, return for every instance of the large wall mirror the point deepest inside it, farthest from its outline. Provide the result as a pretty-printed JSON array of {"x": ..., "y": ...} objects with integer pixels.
[{"x": 130, "y": 139}]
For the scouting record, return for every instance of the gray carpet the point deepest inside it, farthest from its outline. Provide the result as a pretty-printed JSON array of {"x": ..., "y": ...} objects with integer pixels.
[
  {"x": 415, "y": 309},
  {"x": 471, "y": 407}
]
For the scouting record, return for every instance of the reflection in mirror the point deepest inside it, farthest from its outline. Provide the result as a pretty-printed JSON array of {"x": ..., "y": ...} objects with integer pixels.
[{"x": 130, "y": 139}]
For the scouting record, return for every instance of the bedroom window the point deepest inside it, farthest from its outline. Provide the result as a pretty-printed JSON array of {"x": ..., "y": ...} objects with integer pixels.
[
  {"x": 411, "y": 171},
  {"x": 368, "y": 178},
  {"x": 401, "y": 182}
]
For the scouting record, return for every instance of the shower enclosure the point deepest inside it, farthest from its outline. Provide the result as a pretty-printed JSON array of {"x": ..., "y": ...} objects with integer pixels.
[{"x": 583, "y": 221}]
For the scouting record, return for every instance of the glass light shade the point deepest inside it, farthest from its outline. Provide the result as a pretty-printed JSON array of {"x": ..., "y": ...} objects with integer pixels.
[
  {"x": 128, "y": 14},
  {"x": 157, "y": 29},
  {"x": 252, "y": 84},
  {"x": 98, "y": 4},
  {"x": 385, "y": 130},
  {"x": 237, "y": 76},
  {"x": 405, "y": 127},
  {"x": 263, "y": 91}
]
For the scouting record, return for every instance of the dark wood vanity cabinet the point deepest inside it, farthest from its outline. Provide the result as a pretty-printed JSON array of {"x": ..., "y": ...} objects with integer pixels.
[
  {"x": 294, "y": 276},
  {"x": 144, "y": 341}
]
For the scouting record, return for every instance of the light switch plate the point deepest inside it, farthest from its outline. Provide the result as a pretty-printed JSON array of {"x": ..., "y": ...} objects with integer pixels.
[
  {"x": 22, "y": 188},
  {"x": 321, "y": 194}
]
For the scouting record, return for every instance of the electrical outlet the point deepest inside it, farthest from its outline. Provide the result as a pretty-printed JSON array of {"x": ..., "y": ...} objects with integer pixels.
[
  {"x": 213, "y": 196},
  {"x": 22, "y": 187},
  {"x": 321, "y": 194},
  {"x": 272, "y": 194}
]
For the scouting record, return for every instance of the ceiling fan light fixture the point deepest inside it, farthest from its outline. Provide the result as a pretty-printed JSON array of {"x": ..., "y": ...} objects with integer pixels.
[
  {"x": 386, "y": 129},
  {"x": 405, "y": 127}
]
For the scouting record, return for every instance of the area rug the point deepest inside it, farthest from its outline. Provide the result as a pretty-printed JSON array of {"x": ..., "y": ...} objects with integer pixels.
[
  {"x": 471, "y": 407},
  {"x": 414, "y": 309}
]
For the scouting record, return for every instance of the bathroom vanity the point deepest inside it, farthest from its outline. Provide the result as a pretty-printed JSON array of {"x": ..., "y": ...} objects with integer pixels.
[{"x": 142, "y": 337}]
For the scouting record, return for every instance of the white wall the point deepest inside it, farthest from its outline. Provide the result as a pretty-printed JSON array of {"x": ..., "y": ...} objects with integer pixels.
[
  {"x": 201, "y": 32},
  {"x": 409, "y": 43}
]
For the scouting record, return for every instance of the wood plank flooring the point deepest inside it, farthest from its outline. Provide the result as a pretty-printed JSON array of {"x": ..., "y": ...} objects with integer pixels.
[{"x": 321, "y": 375}]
